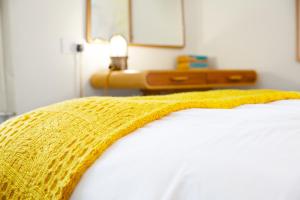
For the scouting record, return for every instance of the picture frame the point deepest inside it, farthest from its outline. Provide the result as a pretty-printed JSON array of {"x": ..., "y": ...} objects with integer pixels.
[{"x": 298, "y": 30}]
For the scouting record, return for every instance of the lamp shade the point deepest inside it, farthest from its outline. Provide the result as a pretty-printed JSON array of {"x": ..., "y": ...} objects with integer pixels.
[{"x": 118, "y": 46}]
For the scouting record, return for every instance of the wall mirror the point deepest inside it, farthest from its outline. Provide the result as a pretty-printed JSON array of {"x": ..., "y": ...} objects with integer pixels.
[{"x": 153, "y": 23}]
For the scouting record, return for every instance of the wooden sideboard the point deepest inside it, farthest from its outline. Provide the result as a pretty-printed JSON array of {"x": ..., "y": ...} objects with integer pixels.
[{"x": 166, "y": 81}]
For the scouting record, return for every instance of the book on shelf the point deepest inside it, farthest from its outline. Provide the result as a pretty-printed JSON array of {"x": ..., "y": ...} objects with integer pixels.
[
  {"x": 192, "y": 65},
  {"x": 191, "y": 58}
]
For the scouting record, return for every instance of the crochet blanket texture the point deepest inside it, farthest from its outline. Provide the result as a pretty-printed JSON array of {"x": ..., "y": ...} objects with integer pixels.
[{"x": 44, "y": 153}]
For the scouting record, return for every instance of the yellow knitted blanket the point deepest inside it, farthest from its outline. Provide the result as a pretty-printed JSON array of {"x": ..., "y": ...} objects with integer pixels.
[{"x": 44, "y": 153}]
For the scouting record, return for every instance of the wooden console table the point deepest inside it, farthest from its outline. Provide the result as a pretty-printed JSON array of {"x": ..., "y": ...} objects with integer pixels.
[{"x": 166, "y": 81}]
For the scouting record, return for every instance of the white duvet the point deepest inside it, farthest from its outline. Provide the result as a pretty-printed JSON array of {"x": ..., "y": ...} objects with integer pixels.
[{"x": 248, "y": 153}]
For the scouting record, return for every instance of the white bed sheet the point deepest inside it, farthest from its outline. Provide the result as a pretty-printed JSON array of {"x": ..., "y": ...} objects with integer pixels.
[{"x": 248, "y": 153}]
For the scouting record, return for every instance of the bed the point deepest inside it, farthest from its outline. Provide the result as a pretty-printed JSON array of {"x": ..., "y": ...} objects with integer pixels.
[
  {"x": 227, "y": 145},
  {"x": 250, "y": 152}
]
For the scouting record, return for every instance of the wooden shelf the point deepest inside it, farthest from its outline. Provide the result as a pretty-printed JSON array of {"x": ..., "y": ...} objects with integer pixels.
[{"x": 154, "y": 80}]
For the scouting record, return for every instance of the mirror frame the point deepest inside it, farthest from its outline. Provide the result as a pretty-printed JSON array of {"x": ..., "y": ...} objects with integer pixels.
[
  {"x": 298, "y": 30},
  {"x": 92, "y": 40}
]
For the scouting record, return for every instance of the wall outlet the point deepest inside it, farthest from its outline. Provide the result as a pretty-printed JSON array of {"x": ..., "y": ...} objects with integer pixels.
[{"x": 68, "y": 45}]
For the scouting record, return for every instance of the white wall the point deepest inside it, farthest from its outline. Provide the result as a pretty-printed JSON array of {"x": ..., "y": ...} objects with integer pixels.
[
  {"x": 42, "y": 73},
  {"x": 2, "y": 77},
  {"x": 8, "y": 58},
  {"x": 257, "y": 34}
]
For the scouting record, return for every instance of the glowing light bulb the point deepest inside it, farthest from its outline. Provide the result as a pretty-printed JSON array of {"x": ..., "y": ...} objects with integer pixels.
[{"x": 118, "y": 46}]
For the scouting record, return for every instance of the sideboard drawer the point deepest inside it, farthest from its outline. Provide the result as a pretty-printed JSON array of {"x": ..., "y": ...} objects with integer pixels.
[
  {"x": 224, "y": 77},
  {"x": 175, "y": 78}
]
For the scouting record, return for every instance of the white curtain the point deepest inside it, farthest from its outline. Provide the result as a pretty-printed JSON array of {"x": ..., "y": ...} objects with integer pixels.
[{"x": 3, "y": 97}]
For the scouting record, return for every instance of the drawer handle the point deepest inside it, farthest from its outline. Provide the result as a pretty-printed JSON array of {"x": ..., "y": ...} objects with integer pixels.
[
  {"x": 235, "y": 78},
  {"x": 179, "y": 78}
]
